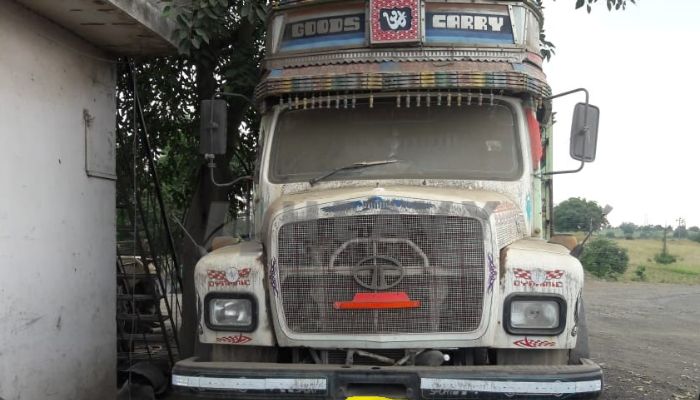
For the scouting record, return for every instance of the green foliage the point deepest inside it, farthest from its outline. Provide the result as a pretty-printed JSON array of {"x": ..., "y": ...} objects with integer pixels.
[
  {"x": 221, "y": 46},
  {"x": 664, "y": 258},
  {"x": 166, "y": 89},
  {"x": 577, "y": 214},
  {"x": 628, "y": 228},
  {"x": 547, "y": 48},
  {"x": 604, "y": 258},
  {"x": 203, "y": 25},
  {"x": 640, "y": 273},
  {"x": 610, "y": 234},
  {"x": 612, "y": 4},
  {"x": 695, "y": 237}
]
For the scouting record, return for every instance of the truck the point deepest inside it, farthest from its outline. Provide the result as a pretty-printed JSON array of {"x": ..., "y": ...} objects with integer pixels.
[{"x": 402, "y": 240}]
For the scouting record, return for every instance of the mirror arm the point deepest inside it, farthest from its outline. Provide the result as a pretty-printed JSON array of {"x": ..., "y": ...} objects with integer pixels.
[
  {"x": 212, "y": 125},
  {"x": 571, "y": 171},
  {"x": 230, "y": 94},
  {"x": 212, "y": 166},
  {"x": 568, "y": 93},
  {"x": 584, "y": 132}
]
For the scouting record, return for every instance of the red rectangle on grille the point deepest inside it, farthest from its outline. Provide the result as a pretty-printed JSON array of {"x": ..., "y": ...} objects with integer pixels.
[
  {"x": 377, "y": 301},
  {"x": 395, "y": 21}
]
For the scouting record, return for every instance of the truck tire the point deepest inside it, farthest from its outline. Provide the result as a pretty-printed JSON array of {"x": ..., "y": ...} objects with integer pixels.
[{"x": 581, "y": 350}]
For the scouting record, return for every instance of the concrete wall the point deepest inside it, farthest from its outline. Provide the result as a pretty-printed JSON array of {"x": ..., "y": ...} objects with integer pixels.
[{"x": 57, "y": 244}]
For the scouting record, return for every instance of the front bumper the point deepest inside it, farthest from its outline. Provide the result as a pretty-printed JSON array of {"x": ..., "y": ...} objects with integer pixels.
[{"x": 237, "y": 380}]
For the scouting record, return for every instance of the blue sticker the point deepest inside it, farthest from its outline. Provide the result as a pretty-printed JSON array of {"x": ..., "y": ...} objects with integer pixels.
[
  {"x": 379, "y": 203},
  {"x": 528, "y": 207}
]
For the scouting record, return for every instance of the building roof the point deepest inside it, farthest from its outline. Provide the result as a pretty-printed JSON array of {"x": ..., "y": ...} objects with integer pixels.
[{"x": 120, "y": 27}]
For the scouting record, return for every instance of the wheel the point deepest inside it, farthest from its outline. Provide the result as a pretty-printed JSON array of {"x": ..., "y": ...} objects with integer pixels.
[{"x": 581, "y": 350}]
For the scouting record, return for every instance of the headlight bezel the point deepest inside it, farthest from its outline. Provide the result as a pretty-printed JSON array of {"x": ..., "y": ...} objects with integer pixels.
[
  {"x": 230, "y": 296},
  {"x": 534, "y": 331}
]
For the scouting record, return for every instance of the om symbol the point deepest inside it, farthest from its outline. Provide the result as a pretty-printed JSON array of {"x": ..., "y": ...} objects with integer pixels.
[{"x": 396, "y": 19}]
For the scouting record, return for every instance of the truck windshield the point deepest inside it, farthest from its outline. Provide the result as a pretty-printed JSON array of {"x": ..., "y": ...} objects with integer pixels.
[{"x": 438, "y": 142}]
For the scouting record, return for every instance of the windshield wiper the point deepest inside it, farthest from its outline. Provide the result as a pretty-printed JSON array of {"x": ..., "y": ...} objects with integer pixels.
[{"x": 357, "y": 165}]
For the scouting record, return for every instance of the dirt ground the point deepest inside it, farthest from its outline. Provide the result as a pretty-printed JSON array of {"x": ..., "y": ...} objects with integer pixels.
[{"x": 646, "y": 337}]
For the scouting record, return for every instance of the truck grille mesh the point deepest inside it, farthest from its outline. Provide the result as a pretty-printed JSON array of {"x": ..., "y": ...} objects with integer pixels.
[{"x": 440, "y": 262}]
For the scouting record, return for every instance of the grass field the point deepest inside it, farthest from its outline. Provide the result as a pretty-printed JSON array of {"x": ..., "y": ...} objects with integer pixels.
[{"x": 641, "y": 252}]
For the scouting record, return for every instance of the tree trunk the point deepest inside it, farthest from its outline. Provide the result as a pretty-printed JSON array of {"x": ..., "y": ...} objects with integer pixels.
[{"x": 209, "y": 204}]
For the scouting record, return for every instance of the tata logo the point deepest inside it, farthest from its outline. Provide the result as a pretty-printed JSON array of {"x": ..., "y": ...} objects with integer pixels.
[
  {"x": 378, "y": 273},
  {"x": 395, "y": 19}
]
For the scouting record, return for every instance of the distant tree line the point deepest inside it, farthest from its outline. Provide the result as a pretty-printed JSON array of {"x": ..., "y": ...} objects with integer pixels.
[
  {"x": 631, "y": 230},
  {"x": 579, "y": 215}
]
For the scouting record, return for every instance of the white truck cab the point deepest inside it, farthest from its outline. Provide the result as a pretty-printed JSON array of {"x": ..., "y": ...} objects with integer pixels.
[{"x": 402, "y": 211}]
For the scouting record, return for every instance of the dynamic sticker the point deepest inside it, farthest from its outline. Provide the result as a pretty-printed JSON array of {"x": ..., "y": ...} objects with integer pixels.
[
  {"x": 231, "y": 277},
  {"x": 534, "y": 344},
  {"x": 538, "y": 278},
  {"x": 240, "y": 339}
]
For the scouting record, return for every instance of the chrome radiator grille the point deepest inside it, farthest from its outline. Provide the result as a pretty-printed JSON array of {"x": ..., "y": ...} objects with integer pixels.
[{"x": 438, "y": 260}]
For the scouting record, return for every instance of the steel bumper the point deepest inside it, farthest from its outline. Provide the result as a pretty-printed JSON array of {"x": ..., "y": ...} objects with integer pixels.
[{"x": 238, "y": 380}]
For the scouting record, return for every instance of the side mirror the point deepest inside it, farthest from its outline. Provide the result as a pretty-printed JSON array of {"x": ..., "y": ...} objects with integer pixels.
[
  {"x": 212, "y": 127},
  {"x": 584, "y": 132}
]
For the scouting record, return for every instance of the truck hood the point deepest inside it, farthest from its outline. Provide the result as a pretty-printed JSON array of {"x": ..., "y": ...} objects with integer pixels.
[{"x": 499, "y": 211}]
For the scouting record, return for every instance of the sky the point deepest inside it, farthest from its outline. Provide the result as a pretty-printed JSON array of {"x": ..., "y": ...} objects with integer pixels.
[{"x": 641, "y": 68}]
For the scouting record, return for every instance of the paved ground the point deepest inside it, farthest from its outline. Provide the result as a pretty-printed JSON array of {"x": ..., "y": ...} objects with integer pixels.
[{"x": 647, "y": 338}]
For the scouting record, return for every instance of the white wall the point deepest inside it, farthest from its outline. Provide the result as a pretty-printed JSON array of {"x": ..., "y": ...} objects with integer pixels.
[{"x": 57, "y": 244}]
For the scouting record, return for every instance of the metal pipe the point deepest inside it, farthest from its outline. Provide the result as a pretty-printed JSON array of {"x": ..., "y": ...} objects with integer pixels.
[{"x": 584, "y": 132}]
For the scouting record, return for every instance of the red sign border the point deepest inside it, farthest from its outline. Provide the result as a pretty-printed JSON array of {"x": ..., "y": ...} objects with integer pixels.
[{"x": 420, "y": 11}]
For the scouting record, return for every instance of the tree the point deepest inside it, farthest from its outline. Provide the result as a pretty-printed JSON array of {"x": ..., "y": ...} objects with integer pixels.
[
  {"x": 221, "y": 44},
  {"x": 665, "y": 257},
  {"x": 680, "y": 232},
  {"x": 577, "y": 214},
  {"x": 223, "y": 39},
  {"x": 604, "y": 258},
  {"x": 628, "y": 228}
]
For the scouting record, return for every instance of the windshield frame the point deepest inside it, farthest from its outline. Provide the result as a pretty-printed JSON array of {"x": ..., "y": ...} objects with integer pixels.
[{"x": 514, "y": 105}]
